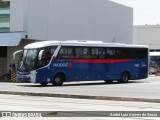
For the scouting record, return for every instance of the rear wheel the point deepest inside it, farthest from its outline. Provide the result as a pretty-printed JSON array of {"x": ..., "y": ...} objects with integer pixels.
[
  {"x": 124, "y": 77},
  {"x": 58, "y": 80}
]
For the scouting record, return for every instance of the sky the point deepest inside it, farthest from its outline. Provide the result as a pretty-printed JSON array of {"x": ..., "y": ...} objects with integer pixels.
[{"x": 144, "y": 11}]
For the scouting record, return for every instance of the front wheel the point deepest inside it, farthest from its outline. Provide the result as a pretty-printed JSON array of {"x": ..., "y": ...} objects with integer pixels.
[
  {"x": 58, "y": 80},
  {"x": 124, "y": 77}
]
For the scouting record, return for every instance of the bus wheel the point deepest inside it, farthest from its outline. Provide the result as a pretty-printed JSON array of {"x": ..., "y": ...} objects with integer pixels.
[
  {"x": 58, "y": 80},
  {"x": 124, "y": 77}
]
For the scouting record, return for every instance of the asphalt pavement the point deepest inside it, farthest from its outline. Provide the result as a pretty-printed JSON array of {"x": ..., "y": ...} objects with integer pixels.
[{"x": 146, "y": 90}]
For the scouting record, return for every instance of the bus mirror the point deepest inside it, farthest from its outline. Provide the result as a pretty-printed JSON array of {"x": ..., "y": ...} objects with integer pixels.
[
  {"x": 40, "y": 54},
  {"x": 15, "y": 53}
]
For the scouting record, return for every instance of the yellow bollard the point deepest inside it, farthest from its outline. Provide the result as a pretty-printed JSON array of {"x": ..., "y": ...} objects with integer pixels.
[{"x": 13, "y": 77}]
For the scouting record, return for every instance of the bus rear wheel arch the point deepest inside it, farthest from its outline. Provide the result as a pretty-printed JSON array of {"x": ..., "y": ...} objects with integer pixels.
[
  {"x": 58, "y": 79},
  {"x": 125, "y": 76}
]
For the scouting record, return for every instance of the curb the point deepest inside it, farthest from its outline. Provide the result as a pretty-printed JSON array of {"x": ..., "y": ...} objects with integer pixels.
[{"x": 81, "y": 96}]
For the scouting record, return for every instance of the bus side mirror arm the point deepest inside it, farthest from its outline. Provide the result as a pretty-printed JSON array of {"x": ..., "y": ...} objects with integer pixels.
[
  {"x": 40, "y": 54},
  {"x": 14, "y": 54}
]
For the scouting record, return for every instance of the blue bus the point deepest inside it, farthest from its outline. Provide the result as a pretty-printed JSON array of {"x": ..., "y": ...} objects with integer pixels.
[{"x": 63, "y": 61}]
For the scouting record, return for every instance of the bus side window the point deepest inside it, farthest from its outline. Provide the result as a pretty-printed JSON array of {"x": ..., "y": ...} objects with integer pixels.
[
  {"x": 45, "y": 56},
  {"x": 110, "y": 54},
  {"x": 94, "y": 52},
  {"x": 98, "y": 53},
  {"x": 101, "y": 53},
  {"x": 66, "y": 52},
  {"x": 141, "y": 53},
  {"x": 82, "y": 52},
  {"x": 125, "y": 53}
]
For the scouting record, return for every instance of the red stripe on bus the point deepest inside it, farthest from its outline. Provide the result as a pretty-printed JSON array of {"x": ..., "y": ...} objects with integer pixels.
[
  {"x": 51, "y": 56},
  {"x": 98, "y": 60}
]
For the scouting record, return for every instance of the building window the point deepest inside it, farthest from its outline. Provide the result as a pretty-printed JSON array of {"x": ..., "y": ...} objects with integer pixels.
[{"x": 4, "y": 15}]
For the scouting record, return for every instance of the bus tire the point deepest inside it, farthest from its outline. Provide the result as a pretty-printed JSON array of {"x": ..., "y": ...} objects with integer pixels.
[
  {"x": 124, "y": 77},
  {"x": 58, "y": 80}
]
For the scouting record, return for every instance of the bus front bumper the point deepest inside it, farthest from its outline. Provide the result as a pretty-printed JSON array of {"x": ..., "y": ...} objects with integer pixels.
[
  {"x": 23, "y": 78},
  {"x": 27, "y": 76}
]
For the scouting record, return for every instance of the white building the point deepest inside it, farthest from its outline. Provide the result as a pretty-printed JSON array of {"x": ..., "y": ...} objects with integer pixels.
[
  {"x": 69, "y": 20},
  {"x": 72, "y": 19},
  {"x": 147, "y": 35}
]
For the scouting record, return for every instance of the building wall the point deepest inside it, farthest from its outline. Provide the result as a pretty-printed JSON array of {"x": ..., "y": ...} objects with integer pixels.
[
  {"x": 73, "y": 19},
  {"x": 147, "y": 35},
  {"x": 17, "y": 15}
]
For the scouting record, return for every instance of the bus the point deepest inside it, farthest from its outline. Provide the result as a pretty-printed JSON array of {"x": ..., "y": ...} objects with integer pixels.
[
  {"x": 154, "y": 66},
  {"x": 63, "y": 61}
]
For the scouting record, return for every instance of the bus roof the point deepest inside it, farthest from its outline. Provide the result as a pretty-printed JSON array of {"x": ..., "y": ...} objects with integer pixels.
[
  {"x": 154, "y": 53},
  {"x": 80, "y": 43}
]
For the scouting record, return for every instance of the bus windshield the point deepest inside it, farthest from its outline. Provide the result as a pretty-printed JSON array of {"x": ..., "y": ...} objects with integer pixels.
[{"x": 32, "y": 59}]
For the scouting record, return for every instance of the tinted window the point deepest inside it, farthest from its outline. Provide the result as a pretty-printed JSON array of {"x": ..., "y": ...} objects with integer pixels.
[
  {"x": 126, "y": 53},
  {"x": 82, "y": 52},
  {"x": 141, "y": 53},
  {"x": 101, "y": 53},
  {"x": 47, "y": 54},
  {"x": 110, "y": 53},
  {"x": 66, "y": 52},
  {"x": 98, "y": 53}
]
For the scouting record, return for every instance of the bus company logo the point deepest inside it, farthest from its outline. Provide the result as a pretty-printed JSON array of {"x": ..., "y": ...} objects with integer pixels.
[
  {"x": 69, "y": 65},
  {"x": 62, "y": 65}
]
